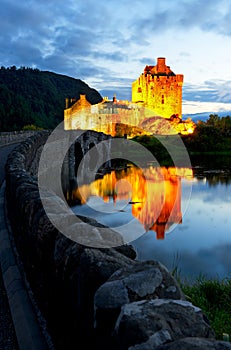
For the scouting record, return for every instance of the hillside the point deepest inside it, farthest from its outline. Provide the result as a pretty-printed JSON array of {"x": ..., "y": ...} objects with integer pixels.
[{"x": 30, "y": 96}]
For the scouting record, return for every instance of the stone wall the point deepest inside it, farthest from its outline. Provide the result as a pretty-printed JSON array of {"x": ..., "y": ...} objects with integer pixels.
[
  {"x": 159, "y": 89},
  {"x": 102, "y": 297},
  {"x": 15, "y": 136}
]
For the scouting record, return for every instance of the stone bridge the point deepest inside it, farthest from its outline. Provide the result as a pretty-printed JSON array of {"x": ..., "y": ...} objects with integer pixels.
[
  {"x": 69, "y": 149},
  {"x": 10, "y": 137},
  {"x": 83, "y": 144}
]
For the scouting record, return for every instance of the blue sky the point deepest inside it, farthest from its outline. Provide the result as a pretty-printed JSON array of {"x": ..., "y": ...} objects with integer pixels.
[{"x": 107, "y": 43}]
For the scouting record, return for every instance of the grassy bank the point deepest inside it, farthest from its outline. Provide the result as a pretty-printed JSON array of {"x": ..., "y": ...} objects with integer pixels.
[
  {"x": 214, "y": 298},
  {"x": 215, "y": 153}
]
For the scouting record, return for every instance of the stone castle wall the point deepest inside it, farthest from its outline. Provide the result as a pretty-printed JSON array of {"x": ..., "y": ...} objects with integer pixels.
[
  {"x": 106, "y": 118},
  {"x": 100, "y": 297},
  {"x": 159, "y": 89}
]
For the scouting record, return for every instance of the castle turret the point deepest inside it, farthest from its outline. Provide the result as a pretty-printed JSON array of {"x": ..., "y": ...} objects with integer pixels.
[{"x": 161, "y": 66}]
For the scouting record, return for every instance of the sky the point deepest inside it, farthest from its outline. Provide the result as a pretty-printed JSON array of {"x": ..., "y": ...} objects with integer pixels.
[{"x": 107, "y": 44}]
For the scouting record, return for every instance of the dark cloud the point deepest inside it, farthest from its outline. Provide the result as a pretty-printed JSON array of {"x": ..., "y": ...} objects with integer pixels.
[
  {"x": 210, "y": 91},
  {"x": 221, "y": 88},
  {"x": 206, "y": 15},
  {"x": 116, "y": 56},
  {"x": 146, "y": 61},
  {"x": 123, "y": 93},
  {"x": 197, "y": 13}
]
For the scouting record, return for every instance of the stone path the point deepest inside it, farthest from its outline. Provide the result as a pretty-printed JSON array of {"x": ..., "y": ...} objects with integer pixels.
[
  {"x": 4, "y": 152},
  {"x": 8, "y": 339},
  {"x": 21, "y": 324}
]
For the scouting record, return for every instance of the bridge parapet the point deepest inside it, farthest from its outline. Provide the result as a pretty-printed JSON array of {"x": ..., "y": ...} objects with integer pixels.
[{"x": 15, "y": 136}]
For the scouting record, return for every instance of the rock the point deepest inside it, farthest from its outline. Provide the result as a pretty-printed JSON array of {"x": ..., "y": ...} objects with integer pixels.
[
  {"x": 82, "y": 270},
  {"x": 160, "y": 337},
  {"x": 127, "y": 250},
  {"x": 142, "y": 280},
  {"x": 192, "y": 343},
  {"x": 147, "y": 324}
]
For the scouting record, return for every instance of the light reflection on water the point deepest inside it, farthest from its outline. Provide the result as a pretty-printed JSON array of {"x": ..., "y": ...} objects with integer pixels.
[{"x": 190, "y": 231}]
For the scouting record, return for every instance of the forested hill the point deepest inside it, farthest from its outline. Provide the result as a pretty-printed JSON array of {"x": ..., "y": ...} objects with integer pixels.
[{"x": 30, "y": 96}]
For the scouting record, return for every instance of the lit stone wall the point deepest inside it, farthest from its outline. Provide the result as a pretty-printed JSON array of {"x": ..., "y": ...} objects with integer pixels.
[
  {"x": 156, "y": 99},
  {"x": 159, "y": 89}
]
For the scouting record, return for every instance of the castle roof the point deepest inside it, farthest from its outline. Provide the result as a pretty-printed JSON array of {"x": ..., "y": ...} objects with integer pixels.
[{"x": 160, "y": 69}]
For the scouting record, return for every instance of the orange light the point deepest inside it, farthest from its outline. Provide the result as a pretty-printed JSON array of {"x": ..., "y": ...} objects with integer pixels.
[{"x": 154, "y": 193}]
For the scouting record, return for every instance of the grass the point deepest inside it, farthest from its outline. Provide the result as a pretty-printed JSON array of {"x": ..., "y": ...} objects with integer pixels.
[
  {"x": 222, "y": 153},
  {"x": 213, "y": 297}
]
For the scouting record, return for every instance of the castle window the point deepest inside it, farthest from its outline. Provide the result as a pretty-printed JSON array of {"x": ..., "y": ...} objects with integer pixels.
[{"x": 139, "y": 89}]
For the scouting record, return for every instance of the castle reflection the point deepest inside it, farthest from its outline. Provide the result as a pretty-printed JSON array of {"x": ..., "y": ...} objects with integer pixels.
[{"x": 154, "y": 194}]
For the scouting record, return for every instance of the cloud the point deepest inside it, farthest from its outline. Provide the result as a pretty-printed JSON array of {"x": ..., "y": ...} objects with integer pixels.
[
  {"x": 123, "y": 93},
  {"x": 211, "y": 96},
  {"x": 109, "y": 43},
  {"x": 211, "y": 15},
  {"x": 221, "y": 88},
  {"x": 218, "y": 91},
  {"x": 198, "y": 108}
]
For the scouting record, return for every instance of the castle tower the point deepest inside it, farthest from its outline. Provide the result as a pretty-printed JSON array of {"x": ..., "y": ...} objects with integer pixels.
[{"x": 159, "y": 89}]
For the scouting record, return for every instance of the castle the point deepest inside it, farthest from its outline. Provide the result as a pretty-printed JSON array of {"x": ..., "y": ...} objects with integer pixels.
[
  {"x": 156, "y": 97},
  {"x": 159, "y": 89}
]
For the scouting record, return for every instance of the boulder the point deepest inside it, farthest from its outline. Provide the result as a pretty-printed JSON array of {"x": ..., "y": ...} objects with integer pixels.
[
  {"x": 82, "y": 270},
  {"x": 147, "y": 324},
  {"x": 192, "y": 343},
  {"x": 138, "y": 281}
]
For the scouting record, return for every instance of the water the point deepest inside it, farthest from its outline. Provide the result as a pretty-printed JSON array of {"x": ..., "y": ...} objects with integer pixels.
[
  {"x": 178, "y": 216},
  {"x": 201, "y": 244}
]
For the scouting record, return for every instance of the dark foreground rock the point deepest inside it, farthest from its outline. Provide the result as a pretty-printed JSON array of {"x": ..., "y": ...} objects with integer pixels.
[
  {"x": 192, "y": 343},
  {"x": 143, "y": 280},
  {"x": 159, "y": 321}
]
